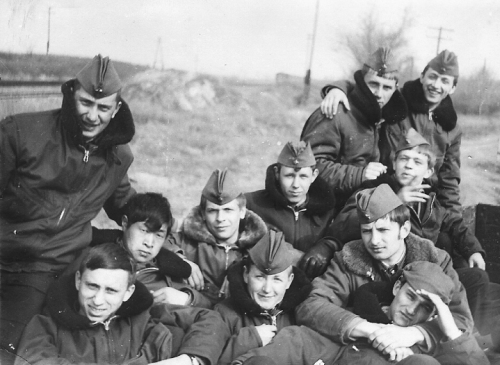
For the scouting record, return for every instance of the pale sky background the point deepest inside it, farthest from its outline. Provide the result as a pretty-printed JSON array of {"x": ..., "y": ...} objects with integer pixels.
[{"x": 246, "y": 38}]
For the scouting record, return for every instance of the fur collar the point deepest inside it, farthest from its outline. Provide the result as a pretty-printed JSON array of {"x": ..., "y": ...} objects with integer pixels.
[
  {"x": 296, "y": 294},
  {"x": 62, "y": 303},
  {"x": 357, "y": 260},
  {"x": 321, "y": 197},
  {"x": 361, "y": 96},
  {"x": 120, "y": 129},
  {"x": 444, "y": 115},
  {"x": 252, "y": 229}
]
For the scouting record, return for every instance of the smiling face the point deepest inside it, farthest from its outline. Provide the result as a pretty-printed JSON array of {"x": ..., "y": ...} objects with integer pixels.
[
  {"x": 384, "y": 239},
  {"x": 141, "y": 242},
  {"x": 101, "y": 292},
  {"x": 436, "y": 87},
  {"x": 409, "y": 308},
  {"x": 223, "y": 221},
  {"x": 295, "y": 183},
  {"x": 267, "y": 290},
  {"x": 380, "y": 87},
  {"x": 411, "y": 167},
  {"x": 94, "y": 114}
]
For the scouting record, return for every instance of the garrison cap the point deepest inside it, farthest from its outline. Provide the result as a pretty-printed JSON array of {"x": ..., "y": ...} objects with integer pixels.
[
  {"x": 375, "y": 203},
  {"x": 382, "y": 62},
  {"x": 221, "y": 188},
  {"x": 99, "y": 78},
  {"x": 272, "y": 254},
  {"x": 431, "y": 277},
  {"x": 446, "y": 63},
  {"x": 297, "y": 154},
  {"x": 411, "y": 139}
]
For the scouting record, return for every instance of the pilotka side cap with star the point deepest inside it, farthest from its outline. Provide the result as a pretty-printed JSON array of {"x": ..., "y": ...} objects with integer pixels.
[
  {"x": 297, "y": 155},
  {"x": 445, "y": 63},
  {"x": 382, "y": 62},
  {"x": 272, "y": 254},
  {"x": 410, "y": 140},
  {"x": 99, "y": 78},
  {"x": 375, "y": 203},
  {"x": 431, "y": 277},
  {"x": 221, "y": 188}
]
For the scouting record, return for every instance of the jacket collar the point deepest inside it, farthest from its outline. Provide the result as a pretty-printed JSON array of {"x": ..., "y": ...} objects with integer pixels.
[
  {"x": 62, "y": 304},
  {"x": 321, "y": 197},
  {"x": 361, "y": 97},
  {"x": 120, "y": 129},
  {"x": 252, "y": 229},
  {"x": 356, "y": 258},
  {"x": 296, "y": 294},
  {"x": 444, "y": 115}
]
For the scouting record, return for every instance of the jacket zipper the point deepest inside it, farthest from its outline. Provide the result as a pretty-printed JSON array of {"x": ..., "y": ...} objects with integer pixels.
[
  {"x": 61, "y": 216},
  {"x": 86, "y": 155}
]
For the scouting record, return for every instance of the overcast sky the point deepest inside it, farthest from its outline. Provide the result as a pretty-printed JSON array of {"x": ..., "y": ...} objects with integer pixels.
[{"x": 247, "y": 38}]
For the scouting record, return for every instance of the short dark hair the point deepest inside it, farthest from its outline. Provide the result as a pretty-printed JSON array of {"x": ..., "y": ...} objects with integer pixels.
[
  {"x": 241, "y": 199},
  {"x": 77, "y": 85},
  {"x": 423, "y": 149},
  {"x": 109, "y": 256},
  {"x": 389, "y": 76},
  {"x": 151, "y": 208},
  {"x": 399, "y": 215},
  {"x": 455, "y": 78}
]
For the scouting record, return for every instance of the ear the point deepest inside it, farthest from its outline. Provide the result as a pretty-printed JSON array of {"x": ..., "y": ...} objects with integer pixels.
[
  {"x": 245, "y": 274},
  {"x": 243, "y": 212},
  {"x": 124, "y": 222},
  {"x": 276, "y": 173},
  {"x": 78, "y": 280},
  {"x": 452, "y": 90},
  {"x": 290, "y": 280},
  {"x": 422, "y": 77},
  {"x": 428, "y": 173},
  {"x": 129, "y": 292},
  {"x": 397, "y": 287},
  {"x": 118, "y": 106},
  {"x": 405, "y": 229},
  {"x": 315, "y": 174}
]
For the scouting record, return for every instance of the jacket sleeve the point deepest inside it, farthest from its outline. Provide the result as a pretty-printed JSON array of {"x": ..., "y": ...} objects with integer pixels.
[
  {"x": 449, "y": 176},
  {"x": 8, "y": 151},
  {"x": 345, "y": 227},
  {"x": 463, "y": 350},
  {"x": 325, "y": 137},
  {"x": 324, "y": 310},
  {"x": 113, "y": 206},
  {"x": 344, "y": 85},
  {"x": 205, "y": 332},
  {"x": 242, "y": 340},
  {"x": 464, "y": 241}
]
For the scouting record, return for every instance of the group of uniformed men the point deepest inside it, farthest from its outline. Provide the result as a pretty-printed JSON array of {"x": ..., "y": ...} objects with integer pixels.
[{"x": 355, "y": 251}]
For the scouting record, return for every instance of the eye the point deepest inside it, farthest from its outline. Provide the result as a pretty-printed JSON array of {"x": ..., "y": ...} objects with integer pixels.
[
  {"x": 160, "y": 235},
  {"x": 93, "y": 286},
  {"x": 111, "y": 291}
]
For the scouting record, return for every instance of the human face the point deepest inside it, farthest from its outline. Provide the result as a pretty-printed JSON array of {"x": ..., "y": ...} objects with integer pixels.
[
  {"x": 384, "y": 239},
  {"x": 142, "y": 243},
  {"x": 436, "y": 86},
  {"x": 223, "y": 221},
  {"x": 101, "y": 292},
  {"x": 94, "y": 114},
  {"x": 409, "y": 308},
  {"x": 267, "y": 290},
  {"x": 381, "y": 88},
  {"x": 411, "y": 167},
  {"x": 295, "y": 184}
]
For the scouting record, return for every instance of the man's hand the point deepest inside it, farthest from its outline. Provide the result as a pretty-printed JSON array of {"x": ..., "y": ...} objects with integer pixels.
[
  {"x": 266, "y": 333},
  {"x": 170, "y": 296},
  {"x": 391, "y": 337},
  {"x": 331, "y": 102},
  {"x": 316, "y": 260},
  {"x": 196, "y": 279},
  {"x": 413, "y": 194},
  {"x": 445, "y": 318},
  {"x": 400, "y": 353},
  {"x": 365, "y": 329},
  {"x": 477, "y": 260},
  {"x": 374, "y": 170}
]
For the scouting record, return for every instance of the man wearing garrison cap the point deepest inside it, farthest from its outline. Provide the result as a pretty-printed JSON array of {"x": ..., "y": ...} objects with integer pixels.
[
  {"x": 298, "y": 204},
  {"x": 215, "y": 234},
  {"x": 385, "y": 247},
  {"x": 348, "y": 149},
  {"x": 422, "y": 291},
  {"x": 58, "y": 168},
  {"x": 431, "y": 113}
]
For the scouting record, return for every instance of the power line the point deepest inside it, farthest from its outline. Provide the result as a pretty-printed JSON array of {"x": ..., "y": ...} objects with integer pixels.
[
  {"x": 159, "y": 53},
  {"x": 439, "y": 37}
]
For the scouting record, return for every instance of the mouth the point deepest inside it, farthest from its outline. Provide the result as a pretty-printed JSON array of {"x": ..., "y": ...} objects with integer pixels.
[
  {"x": 144, "y": 253},
  {"x": 377, "y": 249},
  {"x": 96, "y": 312},
  {"x": 433, "y": 92},
  {"x": 88, "y": 126}
]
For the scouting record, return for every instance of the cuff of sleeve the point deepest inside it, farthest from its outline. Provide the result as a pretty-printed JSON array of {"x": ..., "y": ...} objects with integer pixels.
[{"x": 428, "y": 345}]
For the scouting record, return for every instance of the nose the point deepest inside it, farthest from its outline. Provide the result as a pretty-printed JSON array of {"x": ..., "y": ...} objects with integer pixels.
[
  {"x": 375, "y": 239},
  {"x": 221, "y": 216},
  {"x": 267, "y": 286},
  {"x": 295, "y": 182},
  {"x": 98, "y": 298},
  {"x": 410, "y": 164},
  {"x": 412, "y": 308},
  {"x": 148, "y": 240},
  {"x": 377, "y": 91},
  {"x": 92, "y": 114}
]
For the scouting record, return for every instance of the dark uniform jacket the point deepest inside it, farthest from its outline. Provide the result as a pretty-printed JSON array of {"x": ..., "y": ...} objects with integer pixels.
[
  {"x": 303, "y": 226},
  {"x": 52, "y": 184}
]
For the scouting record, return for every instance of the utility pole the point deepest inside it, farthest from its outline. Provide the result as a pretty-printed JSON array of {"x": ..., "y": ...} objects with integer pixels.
[
  {"x": 307, "y": 79},
  {"x": 441, "y": 29},
  {"x": 159, "y": 53},
  {"x": 48, "y": 32}
]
